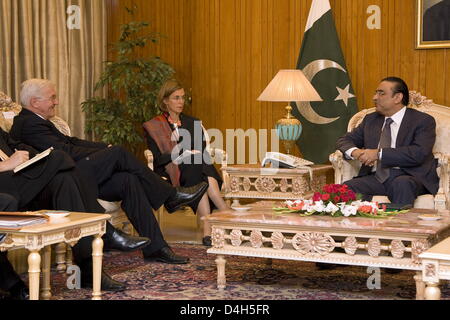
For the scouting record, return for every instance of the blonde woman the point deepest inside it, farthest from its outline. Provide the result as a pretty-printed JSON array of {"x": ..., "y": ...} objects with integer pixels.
[{"x": 172, "y": 133}]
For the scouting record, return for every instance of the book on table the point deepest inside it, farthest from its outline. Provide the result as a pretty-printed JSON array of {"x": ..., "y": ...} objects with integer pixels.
[
  {"x": 18, "y": 220},
  {"x": 281, "y": 160}
]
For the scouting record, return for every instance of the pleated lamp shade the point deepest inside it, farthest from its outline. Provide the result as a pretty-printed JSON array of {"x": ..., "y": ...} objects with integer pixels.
[{"x": 287, "y": 86}]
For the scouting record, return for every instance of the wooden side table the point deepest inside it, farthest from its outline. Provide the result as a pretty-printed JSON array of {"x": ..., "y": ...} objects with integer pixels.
[
  {"x": 68, "y": 230},
  {"x": 255, "y": 182},
  {"x": 435, "y": 266}
]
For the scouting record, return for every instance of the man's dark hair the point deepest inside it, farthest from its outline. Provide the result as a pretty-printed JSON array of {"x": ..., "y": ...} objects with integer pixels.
[{"x": 400, "y": 87}]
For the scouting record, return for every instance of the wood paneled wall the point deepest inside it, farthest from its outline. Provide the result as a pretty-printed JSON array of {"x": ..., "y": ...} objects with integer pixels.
[{"x": 227, "y": 51}]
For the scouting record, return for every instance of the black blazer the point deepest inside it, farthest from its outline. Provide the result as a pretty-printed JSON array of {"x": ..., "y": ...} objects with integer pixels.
[
  {"x": 7, "y": 145},
  {"x": 42, "y": 134},
  {"x": 197, "y": 142},
  {"x": 414, "y": 145},
  {"x": 26, "y": 184}
]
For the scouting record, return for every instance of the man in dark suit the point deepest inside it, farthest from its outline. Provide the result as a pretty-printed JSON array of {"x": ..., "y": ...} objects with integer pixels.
[
  {"x": 436, "y": 22},
  {"x": 116, "y": 172},
  {"x": 9, "y": 279},
  {"x": 54, "y": 183},
  {"x": 394, "y": 145}
]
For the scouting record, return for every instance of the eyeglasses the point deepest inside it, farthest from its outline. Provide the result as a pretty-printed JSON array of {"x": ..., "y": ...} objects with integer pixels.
[
  {"x": 52, "y": 98},
  {"x": 177, "y": 98}
]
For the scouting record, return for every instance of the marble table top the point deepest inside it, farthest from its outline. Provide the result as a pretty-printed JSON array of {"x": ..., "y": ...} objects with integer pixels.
[
  {"x": 262, "y": 213},
  {"x": 256, "y": 168}
]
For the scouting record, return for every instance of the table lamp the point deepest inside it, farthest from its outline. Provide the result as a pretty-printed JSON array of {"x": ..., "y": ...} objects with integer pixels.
[{"x": 288, "y": 86}]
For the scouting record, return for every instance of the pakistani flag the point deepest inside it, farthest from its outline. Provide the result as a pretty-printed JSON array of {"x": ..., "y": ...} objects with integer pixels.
[{"x": 322, "y": 62}]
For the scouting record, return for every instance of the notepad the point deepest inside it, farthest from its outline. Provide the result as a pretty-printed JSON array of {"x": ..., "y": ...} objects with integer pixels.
[
  {"x": 36, "y": 158},
  {"x": 281, "y": 160},
  {"x": 186, "y": 154},
  {"x": 18, "y": 220}
]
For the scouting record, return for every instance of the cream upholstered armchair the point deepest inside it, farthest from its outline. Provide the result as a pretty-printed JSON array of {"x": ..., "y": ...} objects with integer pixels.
[
  {"x": 8, "y": 110},
  {"x": 347, "y": 169}
]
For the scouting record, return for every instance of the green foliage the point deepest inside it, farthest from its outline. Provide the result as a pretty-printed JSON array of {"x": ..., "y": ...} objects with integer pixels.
[{"x": 132, "y": 84}]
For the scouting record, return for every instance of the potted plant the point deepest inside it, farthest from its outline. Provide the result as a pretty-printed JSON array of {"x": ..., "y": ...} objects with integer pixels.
[{"x": 132, "y": 85}]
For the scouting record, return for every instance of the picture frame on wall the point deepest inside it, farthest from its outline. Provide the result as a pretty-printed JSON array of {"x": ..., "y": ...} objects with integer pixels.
[{"x": 433, "y": 24}]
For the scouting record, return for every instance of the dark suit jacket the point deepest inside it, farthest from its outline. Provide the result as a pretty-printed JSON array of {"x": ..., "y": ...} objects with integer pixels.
[
  {"x": 414, "y": 145},
  {"x": 436, "y": 22},
  {"x": 26, "y": 184},
  {"x": 42, "y": 134},
  {"x": 7, "y": 145}
]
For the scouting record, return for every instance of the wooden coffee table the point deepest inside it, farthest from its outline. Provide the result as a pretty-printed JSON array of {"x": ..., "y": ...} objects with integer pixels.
[
  {"x": 393, "y": 242},
  {"x": 68, "y": 229}
]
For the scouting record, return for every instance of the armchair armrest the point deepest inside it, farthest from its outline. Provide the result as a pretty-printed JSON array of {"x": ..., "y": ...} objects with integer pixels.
[
  {"x": 443, "y": 195},
  {"x": 343, "y": 169},
  {"x": 149, "y": 156},
  {"x": 61, "y": 125},
  {"x": 219, "y": 155}
]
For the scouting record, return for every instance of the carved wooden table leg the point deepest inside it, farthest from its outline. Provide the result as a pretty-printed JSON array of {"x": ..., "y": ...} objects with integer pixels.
[
  {"x": 221, "y": 278},
  {"x": 46, "y": 288},
  {"x": 69, "y": 255},
  {"x": 34, "y": 265},
  {"x": 60, "y": 251},
  {"x": 420, "y": 286},
  {"x": 97, "y": 254},
  {"x": 432, "y": 291}
]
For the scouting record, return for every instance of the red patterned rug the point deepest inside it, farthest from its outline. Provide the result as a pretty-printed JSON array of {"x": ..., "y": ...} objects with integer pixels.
[{"x": 247, "y": 278}]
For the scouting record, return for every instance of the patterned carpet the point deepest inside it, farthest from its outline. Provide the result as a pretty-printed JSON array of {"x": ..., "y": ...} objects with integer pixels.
[{"x": 247, "y": 278}]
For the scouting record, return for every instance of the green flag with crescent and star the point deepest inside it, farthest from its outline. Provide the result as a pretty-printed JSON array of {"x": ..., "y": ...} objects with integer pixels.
[{"x": 323, "y": 64}]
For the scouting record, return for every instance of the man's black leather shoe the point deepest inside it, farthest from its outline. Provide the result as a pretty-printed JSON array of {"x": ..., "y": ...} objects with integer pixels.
[
  {"x": 107, "y": 283},
  {"x": 19, "y": 292},
  {"x": 184, "y": 196},
  {"x": 166, "y": 255},
  {"x": 118, "y": 240}
]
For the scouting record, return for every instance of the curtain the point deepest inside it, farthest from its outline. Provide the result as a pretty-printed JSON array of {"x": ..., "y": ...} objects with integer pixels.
[{"x": 60, "y": 40}]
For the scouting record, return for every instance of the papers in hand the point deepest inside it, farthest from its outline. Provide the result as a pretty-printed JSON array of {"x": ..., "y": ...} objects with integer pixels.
[
  {"x": 181, "y": 157},
  {"x": 281, "y": 160},
  {"x": 36, "y": 158}
]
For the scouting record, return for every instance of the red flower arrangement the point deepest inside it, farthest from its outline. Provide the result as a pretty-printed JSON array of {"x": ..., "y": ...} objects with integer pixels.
[
  {"x": 336, "y": 193},
  {"x": 336, "y": 200}
]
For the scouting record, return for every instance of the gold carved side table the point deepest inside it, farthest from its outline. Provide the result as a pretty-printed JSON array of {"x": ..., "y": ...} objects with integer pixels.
[
  {"x": 68, "y": 230},
  {"x": 255, "y": 182},
  {"x": 435, "y": 267}
]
